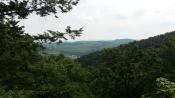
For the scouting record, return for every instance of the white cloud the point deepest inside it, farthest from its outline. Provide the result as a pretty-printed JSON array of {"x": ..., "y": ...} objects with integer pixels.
[{"x": 112, "y": 19}]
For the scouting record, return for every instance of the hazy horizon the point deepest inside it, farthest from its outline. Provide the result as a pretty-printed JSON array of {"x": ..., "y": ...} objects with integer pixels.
[
  {"x": 97, "y": 40},
  {"x": 110, "y": 20}
]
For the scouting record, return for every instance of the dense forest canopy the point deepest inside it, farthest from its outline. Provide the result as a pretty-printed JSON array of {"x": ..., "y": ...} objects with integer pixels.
[
  {"x": 141, "y": 69},
  {"x": 130, "y": 71}
]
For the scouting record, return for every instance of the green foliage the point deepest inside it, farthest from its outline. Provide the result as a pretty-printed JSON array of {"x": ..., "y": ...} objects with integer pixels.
[
  {"x": 11, "y": 10},
  {"x": 166, "y": 87},
  {"x": 156, "y": 41},
  {"x": 62, "y": 78},
  {"x": 121, "y": 73},
  {"x": 127, "y": 71},
  {"x": 51, "y": 78},
  {"x": 24, "y": 72},
  {"x": 130, "y": 71},
  {"x": 22, "y": 8},
  {"x": 18, "y": 49}
]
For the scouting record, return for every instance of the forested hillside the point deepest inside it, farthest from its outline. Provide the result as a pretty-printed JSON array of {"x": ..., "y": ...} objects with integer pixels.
[
  {"x": 150, "y": 43},
  {"x": 130, "y": 71},
  {"x": 155, "y": 42},
  {"x": 81, "y": 48}
]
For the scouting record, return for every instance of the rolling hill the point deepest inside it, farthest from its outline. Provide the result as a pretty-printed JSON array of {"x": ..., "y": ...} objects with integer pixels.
[{"x": 80, "y": 48}]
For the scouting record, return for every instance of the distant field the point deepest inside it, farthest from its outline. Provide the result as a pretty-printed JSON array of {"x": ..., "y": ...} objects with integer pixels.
[{"x": 81, "y": 48}]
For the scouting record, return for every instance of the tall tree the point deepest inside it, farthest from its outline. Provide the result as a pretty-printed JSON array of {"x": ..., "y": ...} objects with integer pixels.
[{"x": 19, "y": 49}]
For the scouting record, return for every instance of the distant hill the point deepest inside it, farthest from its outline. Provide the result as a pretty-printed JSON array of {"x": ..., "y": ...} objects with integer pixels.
[
  {"x": 152, "y": 42},
  {"x": 80, "y": 48}
]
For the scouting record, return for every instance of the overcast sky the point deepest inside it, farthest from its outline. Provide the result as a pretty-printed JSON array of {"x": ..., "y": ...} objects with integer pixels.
[{"x": 111, "y": 19}]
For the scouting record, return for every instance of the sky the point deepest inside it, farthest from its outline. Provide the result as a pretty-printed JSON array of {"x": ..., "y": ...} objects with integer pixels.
[{"x": 110, "y": 19}]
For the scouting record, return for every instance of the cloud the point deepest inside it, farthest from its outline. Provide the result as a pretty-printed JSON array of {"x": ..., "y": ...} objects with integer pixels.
[{"x": 111, "y": 19}]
